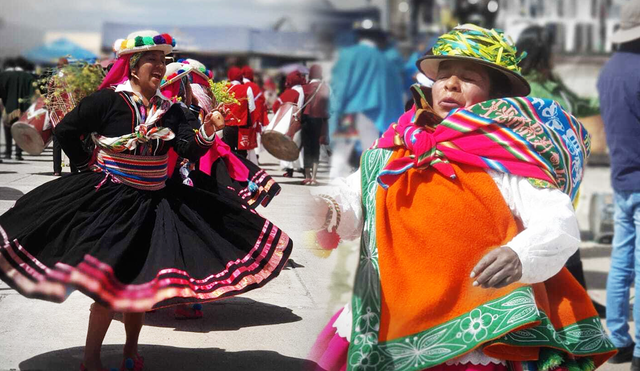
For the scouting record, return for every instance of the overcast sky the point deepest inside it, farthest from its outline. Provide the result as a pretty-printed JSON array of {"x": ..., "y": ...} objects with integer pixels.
[
  {"x": 23, "y": 23},
  {"x": 88, "y": 15}
]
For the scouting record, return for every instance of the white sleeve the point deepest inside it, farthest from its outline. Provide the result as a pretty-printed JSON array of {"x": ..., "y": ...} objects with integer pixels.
[
  {"x": 207, "y": 138},
  {"x": 347, "y": 194},
  {"x": 251, "y": 100},
  {"x": 551, "y": 233}
]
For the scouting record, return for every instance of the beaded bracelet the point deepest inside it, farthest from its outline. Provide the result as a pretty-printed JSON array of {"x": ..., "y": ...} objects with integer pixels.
[{"x": 334, "y": 209}]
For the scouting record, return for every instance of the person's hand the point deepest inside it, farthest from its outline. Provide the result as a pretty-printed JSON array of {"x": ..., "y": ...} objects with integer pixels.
[
  {"x": 213, "y": 122},
  {"x": 499, "y": 268}
]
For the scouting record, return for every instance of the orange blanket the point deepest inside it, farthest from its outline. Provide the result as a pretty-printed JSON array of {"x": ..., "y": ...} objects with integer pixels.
[{"x": 430, "y": 233}]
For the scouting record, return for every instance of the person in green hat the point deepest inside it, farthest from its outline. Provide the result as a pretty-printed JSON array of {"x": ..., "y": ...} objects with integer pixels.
[{"x": 465, "y": 212}]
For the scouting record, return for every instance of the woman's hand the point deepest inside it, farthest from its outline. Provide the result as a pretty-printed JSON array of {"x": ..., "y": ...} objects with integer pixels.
[
  {"x": 499, "y": 268},
  {"x": 213, "y": 122}
]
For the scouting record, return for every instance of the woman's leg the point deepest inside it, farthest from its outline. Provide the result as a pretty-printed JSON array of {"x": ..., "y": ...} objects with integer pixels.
[
  {"x": 132, "y": 325},
  {"x": 99, "y": 321}
]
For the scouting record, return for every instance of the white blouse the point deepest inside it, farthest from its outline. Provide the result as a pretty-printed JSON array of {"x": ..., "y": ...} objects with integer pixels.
[{"x": 550, "y": 236}]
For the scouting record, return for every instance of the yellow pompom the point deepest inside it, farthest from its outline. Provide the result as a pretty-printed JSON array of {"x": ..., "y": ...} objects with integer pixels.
[
  {"x": 118, "y": 44},
  {"x": 310, "y": 241},
  {"x": 131, "y": 43}
]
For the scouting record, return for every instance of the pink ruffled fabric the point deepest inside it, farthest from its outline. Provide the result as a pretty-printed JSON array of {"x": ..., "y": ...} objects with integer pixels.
[
  {"x": 172, "y": 90},
  {"x": 330, "y": 353},
  {"x": 118, "y": 74},
  {"x": 204, "y": 101},
  {"x": 237, "y": 170},
  {"x": 330, "y": 349}
]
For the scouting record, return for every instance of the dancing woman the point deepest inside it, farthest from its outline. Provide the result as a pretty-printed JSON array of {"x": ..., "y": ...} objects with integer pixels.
[{"x": 114, "y": 231}]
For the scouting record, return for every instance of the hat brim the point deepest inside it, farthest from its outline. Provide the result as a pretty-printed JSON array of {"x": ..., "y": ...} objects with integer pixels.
[
  {"x": 177, "y": 77},
  {"x": 200, "y": 73},
  {"x": 623, "y": 36},
  {"x": 429, "y": 64},
  {"x": 166, "y": 48}
]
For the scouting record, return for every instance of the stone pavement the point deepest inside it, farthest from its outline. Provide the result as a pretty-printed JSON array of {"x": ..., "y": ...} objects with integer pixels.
[
  {"x": 271, "y": 328},
  {"x": 267, "y": 329}
]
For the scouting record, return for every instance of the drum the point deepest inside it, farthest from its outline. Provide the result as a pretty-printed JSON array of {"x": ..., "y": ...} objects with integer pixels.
[
  {"x": 277, "y": 136},
  {"x": 32, "y": 132}
]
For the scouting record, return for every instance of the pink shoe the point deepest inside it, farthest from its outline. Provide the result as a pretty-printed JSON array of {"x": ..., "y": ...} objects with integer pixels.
[
  {"x": 133, "y": 364},
  {"x": 194, "y": 312}
]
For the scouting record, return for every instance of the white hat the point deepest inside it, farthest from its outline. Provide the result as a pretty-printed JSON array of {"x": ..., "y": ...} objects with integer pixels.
[
  {"x": 175, "y": 71},
  {"x": 142, "y": 41},
  {"x": 629, "y": 23},
  {"x": 198, "y": 68}
]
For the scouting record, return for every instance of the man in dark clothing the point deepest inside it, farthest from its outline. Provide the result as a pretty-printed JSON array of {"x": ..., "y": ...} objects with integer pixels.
[
  {"x": 314, "y": 122},
  {"x": 16, "y": 89},
  {"x": 619, "y": 90}
]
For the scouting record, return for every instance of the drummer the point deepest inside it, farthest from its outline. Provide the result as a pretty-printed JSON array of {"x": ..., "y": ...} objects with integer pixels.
[
  {"x": 293, "y": 93},
  {"x": 259, "y": 117},
  {"x": 16, "y": 89},
  {"x": 239, "y": 119}
]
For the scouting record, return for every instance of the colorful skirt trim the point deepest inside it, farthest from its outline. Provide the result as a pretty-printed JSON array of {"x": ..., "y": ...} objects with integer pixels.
[{"x": 134, "y": 251}]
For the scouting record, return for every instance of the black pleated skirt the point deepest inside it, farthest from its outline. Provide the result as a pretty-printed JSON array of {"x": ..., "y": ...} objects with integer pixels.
[{"x": 134, "y": 250}]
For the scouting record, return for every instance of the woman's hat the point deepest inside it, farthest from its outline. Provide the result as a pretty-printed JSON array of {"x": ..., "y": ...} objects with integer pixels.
[
  {"x": 629, "y": 23},
  {"x": 488, "y": 47},
  {"x": 175, "y": 71},
  {"x": 198, "y": 68},
  {"x": 143, "y": 41}
]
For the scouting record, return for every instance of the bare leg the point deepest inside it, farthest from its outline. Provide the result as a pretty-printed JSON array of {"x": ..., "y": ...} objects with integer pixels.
[
  {"x": 99, "y": 321},
  {"x": 314, "y": 171},
  {"x": 307, "y": 173},
  {"x": 132, "y": 325}
]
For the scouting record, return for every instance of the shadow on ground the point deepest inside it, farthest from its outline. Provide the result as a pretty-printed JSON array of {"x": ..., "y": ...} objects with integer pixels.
[
  {"x": 10, "y": 194},
  {"x": 227, "y": 315},
  {"x": 167, "y": 358}
]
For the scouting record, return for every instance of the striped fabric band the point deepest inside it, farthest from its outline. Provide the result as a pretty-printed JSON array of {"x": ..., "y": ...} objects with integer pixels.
[
  {"x": 147, "y": 173},
  {"x": 530, "y": 137}
]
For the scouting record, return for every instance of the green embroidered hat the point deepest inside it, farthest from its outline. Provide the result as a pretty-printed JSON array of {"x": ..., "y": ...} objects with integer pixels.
[{"x": 488, "y": 47}]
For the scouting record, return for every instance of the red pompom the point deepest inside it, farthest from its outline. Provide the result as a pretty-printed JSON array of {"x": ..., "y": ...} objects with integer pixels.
[
  {"x": 167, "y": 38},
  {"x": 328, "y": 240}
]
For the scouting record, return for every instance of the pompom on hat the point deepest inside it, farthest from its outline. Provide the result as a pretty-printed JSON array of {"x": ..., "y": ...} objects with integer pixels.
[
  {"x": 488, "y": 47},
  {"x": 175, "y": 71},
  {"x": 198, "y": 68},
  {"x": 142, "y": 41}
]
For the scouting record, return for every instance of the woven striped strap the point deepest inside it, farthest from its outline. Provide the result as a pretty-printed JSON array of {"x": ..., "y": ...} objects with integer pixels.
[{"x": 148, "y": 173}]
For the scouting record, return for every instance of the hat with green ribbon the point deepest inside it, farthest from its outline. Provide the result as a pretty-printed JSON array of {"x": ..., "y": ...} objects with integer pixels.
[{"x": 488, "y": 47}]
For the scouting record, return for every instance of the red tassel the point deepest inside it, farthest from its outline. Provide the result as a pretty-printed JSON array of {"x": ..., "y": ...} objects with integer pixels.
[{"x": 328, "y": 240}]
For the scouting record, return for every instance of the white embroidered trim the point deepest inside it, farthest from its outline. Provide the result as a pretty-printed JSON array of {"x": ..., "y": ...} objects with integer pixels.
[
  {"x": 477, "y": 357},
  {"x": 343, "y": 323}
]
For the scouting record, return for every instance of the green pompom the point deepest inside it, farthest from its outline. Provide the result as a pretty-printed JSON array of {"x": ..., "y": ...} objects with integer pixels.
[
  {"x": 586, "y": 364},
  {"x": 139, "y": 41},
  {"x": 572, "y": 365},
  {"x": 148, "y": 40},
  {"x": 549, "y": 359}
]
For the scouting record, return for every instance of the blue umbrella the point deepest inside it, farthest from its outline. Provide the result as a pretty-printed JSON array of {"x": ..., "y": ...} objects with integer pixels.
[{"x": 49, "y": 53}]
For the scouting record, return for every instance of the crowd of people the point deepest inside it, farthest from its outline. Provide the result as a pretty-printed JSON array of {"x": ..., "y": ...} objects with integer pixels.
[{"x": 161, "y": 212}]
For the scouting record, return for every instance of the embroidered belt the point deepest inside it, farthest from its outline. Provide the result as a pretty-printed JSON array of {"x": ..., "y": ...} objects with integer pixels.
[{"x": 148, "y": 173}]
